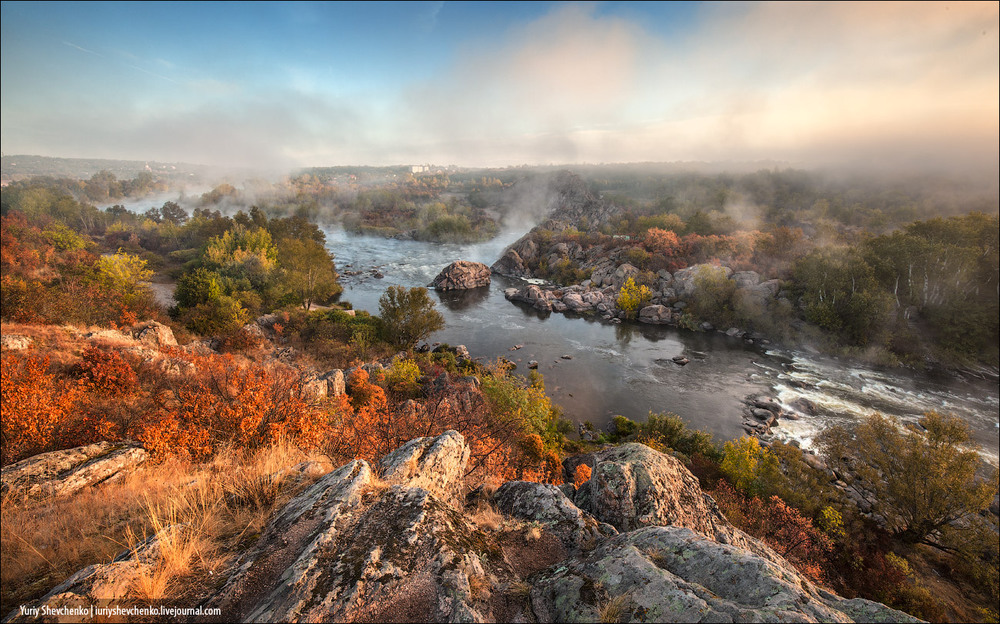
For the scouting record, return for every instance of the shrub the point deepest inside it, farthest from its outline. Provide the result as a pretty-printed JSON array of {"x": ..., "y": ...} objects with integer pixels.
[
  {"x": 713, "y": 298},
  {"x": 227, "y": 402},
  {"x": 581, "y": 475},
  {"x": 402, "y": 376},
  {"x": 633, "y": 297},
  {"x": 107, "y": 372},
  {"x": 747, "y": 466},
  {"x": 672, "y": 432},
  {"x": 922, "y": 481},
  {"x": 34, "y": 403},
  {"x": 783, "y": 528},
  {"x": 408, "y": 315}
]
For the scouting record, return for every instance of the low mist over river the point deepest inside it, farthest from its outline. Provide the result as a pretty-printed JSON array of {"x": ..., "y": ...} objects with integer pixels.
[{"x": 627, "y": 369}]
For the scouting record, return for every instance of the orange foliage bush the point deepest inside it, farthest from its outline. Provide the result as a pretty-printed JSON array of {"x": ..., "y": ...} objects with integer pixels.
[
  {"x": 106, "y": 372},
  {"x": 34, "y": 403},
  {"x": 229, "y": 402},
  {"x": 783, "y": 528},
  {"x": 364, "y": 425},
  {"x": 664, "y": 242},
  {"x": 581, "y": 475}
]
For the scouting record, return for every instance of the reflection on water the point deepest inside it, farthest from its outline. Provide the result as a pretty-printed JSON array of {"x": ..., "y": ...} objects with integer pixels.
[
  {"x": 458, "y": 300},
  {"x": 627, "y": 369}
]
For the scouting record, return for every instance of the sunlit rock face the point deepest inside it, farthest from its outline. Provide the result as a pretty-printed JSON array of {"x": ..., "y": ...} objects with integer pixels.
[
  {"x": 637, "y": 542},
  {"x": 462, "y": 275}
]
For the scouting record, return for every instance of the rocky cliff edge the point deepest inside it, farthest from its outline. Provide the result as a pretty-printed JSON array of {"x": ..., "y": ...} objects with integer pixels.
[{"x": 398, "y": 541}]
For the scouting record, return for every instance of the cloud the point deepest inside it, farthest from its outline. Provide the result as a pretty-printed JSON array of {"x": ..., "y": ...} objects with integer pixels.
[
  {"x": 80, "y": 48},
  {"x": 872, "y": 84},
  {"x": 811, "y": 83}
]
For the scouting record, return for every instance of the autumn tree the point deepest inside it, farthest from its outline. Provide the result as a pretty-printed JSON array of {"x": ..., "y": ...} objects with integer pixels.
[
  {"x": 748, "y": 466},
  {"x": 408, "y": 315},
  {"x": 922, "y": 480},
  {"x": 632, "y": 297}
]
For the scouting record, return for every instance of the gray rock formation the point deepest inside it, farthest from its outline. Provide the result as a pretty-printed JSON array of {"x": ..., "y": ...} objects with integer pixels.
[
  {"x": 353, "y": 547},
  {"x": 633, "y": 486},
  {"x": 511, "y": 264},
  {"x": 672, "y": 574},
  {"x": 154, "y": 334},
  {"x": 435, "y": 464},
  {"x": 541, "y": 502},
  {"x": 462, "y": 275},
  {"x": 15, "y": 342},
  {"x": 65, "y": 472},
  {"x": 656, "y": 315}
]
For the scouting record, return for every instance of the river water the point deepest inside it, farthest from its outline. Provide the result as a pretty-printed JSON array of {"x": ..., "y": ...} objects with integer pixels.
[{"x": 595, "y": 370}]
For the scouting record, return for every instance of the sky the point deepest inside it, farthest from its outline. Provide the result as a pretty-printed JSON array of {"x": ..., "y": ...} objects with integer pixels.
[{"x": 284, "y": 85}]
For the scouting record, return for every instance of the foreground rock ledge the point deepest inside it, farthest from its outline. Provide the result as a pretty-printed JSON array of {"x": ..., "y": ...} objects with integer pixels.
[
  {"x": 462, "y": 275},
  {"x": 639, "y": 539}
]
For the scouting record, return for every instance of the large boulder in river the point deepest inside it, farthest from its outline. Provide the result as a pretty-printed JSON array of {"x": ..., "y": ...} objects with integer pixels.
[
  {"x": 656, "y": 315},
  {"x": 462, "y": 275}
]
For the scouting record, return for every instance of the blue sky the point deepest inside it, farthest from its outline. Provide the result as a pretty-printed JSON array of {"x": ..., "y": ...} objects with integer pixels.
[{"x": 495, "y": 84}]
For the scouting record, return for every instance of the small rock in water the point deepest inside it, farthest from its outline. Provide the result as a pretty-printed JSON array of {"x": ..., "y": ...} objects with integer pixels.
[
  {"x": 567, "y": 357},
  {"x": 516, "y": 347},
  {"x": 680, "y": 360},
  {"x": 533, "y": 364}
]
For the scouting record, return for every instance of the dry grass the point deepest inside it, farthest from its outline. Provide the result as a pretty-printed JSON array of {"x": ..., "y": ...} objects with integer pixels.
[
  {"x": 486, "y": 516},
  {"x": 613, "y": 609},
  {"x": 533, "y": 533},
  {"x": 218, "y": 506},
  {"x": 479, "y": 587},
  {"x": 62, "y": 343},
  {"x": 375, "y": 488},
  {"x": 519, "y": 589}
]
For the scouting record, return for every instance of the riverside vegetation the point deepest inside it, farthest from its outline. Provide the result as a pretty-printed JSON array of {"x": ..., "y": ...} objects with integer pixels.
[{"x": 219, "y": 414}]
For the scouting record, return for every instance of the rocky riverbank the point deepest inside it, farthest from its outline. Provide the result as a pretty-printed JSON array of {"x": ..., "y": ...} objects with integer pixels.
[{"x": 668, "y": 302}]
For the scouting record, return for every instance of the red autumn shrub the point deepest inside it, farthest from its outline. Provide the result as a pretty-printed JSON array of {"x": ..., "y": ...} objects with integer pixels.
[
  {"x": 228, "y": 402},
  {"x": 783, "y": 528},
  {"x": 33, "y": 404},
  {"x": 107, "y": 372}
]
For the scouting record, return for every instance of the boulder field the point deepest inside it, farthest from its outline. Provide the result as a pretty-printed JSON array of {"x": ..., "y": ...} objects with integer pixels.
[{"x": 405, "y": 540}]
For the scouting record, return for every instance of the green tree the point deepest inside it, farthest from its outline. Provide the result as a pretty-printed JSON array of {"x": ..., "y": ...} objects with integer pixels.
[
  {"x": 197, "y": 287},
  {"x": 173, "y": 213},
  {"x": 309, "y": 271},
  {"x": 841, "y": 294},
  {"x": 713, "y": 297},
  {"x": 408, "y": 315},
  {"x": 922, "y": 480}
]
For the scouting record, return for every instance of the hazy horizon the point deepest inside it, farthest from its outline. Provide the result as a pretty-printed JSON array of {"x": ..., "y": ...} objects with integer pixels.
[{"x": 282, "y": 86}]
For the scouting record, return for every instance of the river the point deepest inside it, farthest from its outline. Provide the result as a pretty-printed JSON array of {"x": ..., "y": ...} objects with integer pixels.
[{"x": 595, "y": 370}]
